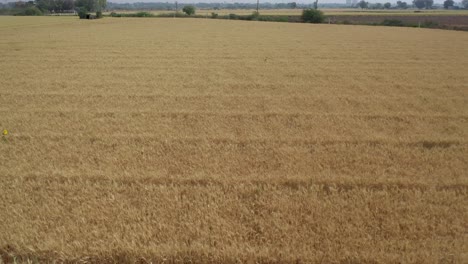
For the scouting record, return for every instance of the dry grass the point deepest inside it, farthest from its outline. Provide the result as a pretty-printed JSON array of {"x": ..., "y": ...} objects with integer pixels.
[{"x": 230, "y": 141}]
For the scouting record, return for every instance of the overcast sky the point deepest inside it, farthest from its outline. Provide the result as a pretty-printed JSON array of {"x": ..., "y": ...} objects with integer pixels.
[
  {"x": 250, "y": 1},
  {"x": 265, "y": 1}
]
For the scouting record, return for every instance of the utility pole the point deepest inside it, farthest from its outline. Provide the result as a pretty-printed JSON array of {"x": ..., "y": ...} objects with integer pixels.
[
  {"x": 176, "y": 9},
  {"x": 257, "y": 6}
]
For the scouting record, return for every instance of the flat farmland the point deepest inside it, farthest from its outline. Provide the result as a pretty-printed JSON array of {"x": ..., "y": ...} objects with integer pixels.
[
  {"x": 198, "y": 140},
  {"x": 298, "y": 12}
]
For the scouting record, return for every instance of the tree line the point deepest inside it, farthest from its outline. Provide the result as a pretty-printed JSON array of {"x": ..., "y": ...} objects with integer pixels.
[
  {"x": 38, "y": 7},
  {"x": 420, "y": 4}
]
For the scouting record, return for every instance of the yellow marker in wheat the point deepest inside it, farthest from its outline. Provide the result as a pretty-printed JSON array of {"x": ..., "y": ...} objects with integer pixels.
[{"x": 5, "y": 132}]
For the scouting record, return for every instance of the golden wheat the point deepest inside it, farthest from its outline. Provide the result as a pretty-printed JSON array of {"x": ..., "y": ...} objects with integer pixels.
[{"x": 230, "y": 141}]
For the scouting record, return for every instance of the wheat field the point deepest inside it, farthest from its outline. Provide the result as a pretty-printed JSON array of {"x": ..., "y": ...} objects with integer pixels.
[{"x": 197, "y": 140}]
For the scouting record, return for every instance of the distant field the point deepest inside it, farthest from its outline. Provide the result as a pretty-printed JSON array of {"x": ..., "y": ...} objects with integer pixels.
[
  {"x": 445, "y": 19},
  {"x": 200, "y": 140},
  {"x": 221, "y": 12},
  {"x": 331, "y": 12},
  {"x": 407, "y": 12}
]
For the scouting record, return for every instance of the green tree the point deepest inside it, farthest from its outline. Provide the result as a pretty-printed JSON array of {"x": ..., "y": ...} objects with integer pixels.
[
  {"x": 189, "y": 10},
  {"x": 55, "y": 5},
  {"x": 402, "y": 5},
  {"x": 82, "y": 12},
  {"x": 88, "y": 5},
  {"x": 429, "y": 3},
  {"x": 101, "y": 4},
  {"x": 312, "y": 16},
  {"x": 45, "y": 5},
  {"x": 58, "y": 5},
  {"x": 376, "y": 6},
  {"x": 32, "y": 11},
  {"x": 363, "y": 4},
  {"x": 91, "y": 5},
  {"x": 68, "y": 5},
  {"x": 423, "y": 3},
  {"x": 292, "y": 5},
  {"x": 387, "y": 5},
  {"x": 448, "y": 3},
  {"x": 419, "y": 3}
]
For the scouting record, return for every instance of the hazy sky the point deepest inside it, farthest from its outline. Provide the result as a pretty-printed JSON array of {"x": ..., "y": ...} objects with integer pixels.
[
  {"x": 227, "y": 1},
  {"x": 230, "y": 1},
  {"x": 248, "y": 1},
  {"x": 270, "y": 1}
]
